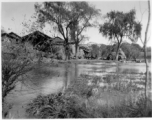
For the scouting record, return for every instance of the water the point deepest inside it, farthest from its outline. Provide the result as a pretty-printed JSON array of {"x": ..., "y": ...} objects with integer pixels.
[{"x": 61, "y": 76}]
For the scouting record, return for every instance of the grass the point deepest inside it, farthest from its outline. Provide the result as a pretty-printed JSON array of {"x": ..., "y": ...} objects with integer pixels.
[
  {"x": 57, "y": 106},
  {"x": 77, "y": 102}
]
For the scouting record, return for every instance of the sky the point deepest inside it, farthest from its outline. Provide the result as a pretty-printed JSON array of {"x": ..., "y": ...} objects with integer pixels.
[{"x": 14, "y": 13}]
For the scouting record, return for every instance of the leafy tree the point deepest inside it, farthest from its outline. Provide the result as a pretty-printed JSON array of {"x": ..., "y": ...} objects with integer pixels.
[
  {"x": 83, "y": 14},
  {"x": 102, "y": 50},
  {"x": 137, "y": 46},
  {"x": 132, "y": 51},
  {"x": 65, "y": 17},
  {"x": 94, "y": 51},
  {"x": 105, "y": 50},
  {"x": 58, "y": 15},
  {"x": 119, "y": 25}
]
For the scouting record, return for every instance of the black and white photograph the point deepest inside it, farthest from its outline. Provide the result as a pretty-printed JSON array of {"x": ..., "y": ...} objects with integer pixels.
[{"x": 76, "y": 59}]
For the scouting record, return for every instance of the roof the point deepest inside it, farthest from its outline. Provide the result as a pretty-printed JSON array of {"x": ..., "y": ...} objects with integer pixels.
[
  {"x": 57, "y": 40},
  {"x": 36, "y": 37},
  {"x": 11, "y": 35},
  {"x": 14, "y": 35},
  {"x": 120, "y": 53}
]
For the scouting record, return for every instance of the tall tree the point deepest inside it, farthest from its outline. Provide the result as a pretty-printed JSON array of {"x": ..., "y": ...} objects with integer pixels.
[
  {"x": 148, "y": 82},
  {"x": 83, "y": 14},
  {"x": 58, "y": 15},
  {"x": 66, "y": 17},
  {"x": 119, "y": 25}
]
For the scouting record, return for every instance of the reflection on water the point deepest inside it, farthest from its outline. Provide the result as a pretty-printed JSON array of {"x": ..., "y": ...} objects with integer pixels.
[{"x": 61, "y": 77}]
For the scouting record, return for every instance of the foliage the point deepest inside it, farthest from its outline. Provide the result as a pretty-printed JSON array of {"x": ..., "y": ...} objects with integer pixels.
[
  {"x": 70, "y": 104},
  {"x": 57, "y": 106},
  {"x": 83, "y": 14},
  {"x": 105, "y": 50},
  {"x": 129, "y": 110},
  {"x": 94, "y": 51},
  {"x": 31, "y": 25},
  {"x": 16, "y": 62},
  {"x": 80, "y": 87},
  {"x": 132, "y": 51},
  {"x": 63, "y": 15},
  {"x": 120, "y": 25}
]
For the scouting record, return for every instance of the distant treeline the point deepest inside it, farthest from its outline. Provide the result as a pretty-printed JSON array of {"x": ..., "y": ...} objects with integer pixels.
[{"x": 132, "y": 51}]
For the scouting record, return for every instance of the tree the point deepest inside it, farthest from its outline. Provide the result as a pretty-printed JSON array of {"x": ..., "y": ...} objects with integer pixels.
[
  {"x": 65, "y": 17},
  {"x": 132, "y": 51},
  {"x": 148, "y": 82},
  {"x": 119, "y": 25},
  {"x": 58, "y": 15},
  {"x": 83, "y": 15},
  {"x": 105, "y": 50},
  {"x": 94, "y": 51},
  {"x": 17, "y": 61}
]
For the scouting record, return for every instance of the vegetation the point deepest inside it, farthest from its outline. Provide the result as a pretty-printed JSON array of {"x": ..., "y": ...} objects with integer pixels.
[
  {"x": 57, "y": 106},
  {"x": 94, "y": 51},
  {"x": 77, "y": 102},
  {"x": 148, "y": 80},
  {"x": 16, "y": 62},
  {"x": 84, "y": 96},
  {"x": 120, "y": 25},
  {"x": 132, "y": 51},
  {"x": 66, "y": 17}
]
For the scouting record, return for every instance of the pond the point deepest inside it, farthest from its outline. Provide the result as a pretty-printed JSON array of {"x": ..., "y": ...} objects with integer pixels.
[{"x": 47, "y": 79}]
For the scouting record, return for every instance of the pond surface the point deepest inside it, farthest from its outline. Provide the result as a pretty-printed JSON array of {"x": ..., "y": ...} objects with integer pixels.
[{"x": 59, "y": 78}]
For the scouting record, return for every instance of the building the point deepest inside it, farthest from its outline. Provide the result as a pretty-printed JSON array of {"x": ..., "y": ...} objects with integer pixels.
[
  {"x": 121, "y": 55},
  {"x": 10, "y": 37}
]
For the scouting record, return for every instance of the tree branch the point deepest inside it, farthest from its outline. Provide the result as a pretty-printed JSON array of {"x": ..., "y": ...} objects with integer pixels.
[{"x": 84, "y": 25}]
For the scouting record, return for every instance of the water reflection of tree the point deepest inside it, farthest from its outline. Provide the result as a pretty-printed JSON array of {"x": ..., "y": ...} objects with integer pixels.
[
  {"x": 66, "y": 76},
  {"x": 70, "y": 74},
  {"x": 76, "y": 71}
]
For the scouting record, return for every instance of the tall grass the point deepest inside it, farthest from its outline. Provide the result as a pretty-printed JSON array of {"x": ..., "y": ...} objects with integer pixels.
[
  {"x": 57, "y": 106},
  {"x": 72, "y": 103}
]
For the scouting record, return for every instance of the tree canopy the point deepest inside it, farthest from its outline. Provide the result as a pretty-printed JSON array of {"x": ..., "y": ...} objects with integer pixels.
[
  {"x": 65, "y": 17},
  {"x": 119, "y": 25}
]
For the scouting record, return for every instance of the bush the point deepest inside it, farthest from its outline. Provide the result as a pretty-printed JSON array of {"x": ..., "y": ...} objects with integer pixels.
[
  {"x": 14, "y": 67},
  {"x": 57, "y": 106},
  {"x": 16, "y": 62}
]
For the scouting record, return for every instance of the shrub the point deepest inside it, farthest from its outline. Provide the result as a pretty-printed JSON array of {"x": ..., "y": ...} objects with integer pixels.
[
  {"x": 13, "y": 68},
  {"x": 16, "y": 62},
  {"x": 57, "y": 106}
]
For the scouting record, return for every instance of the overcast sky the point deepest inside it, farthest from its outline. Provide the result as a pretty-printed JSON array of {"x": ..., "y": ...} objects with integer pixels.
[{"x": 13, "y": 14}]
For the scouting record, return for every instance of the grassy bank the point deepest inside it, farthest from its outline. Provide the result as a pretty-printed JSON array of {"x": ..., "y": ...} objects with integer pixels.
[{"x": 88, "y": 98}]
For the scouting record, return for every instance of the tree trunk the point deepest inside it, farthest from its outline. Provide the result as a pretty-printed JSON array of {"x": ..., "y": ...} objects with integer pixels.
[
  {"x": 147, "y": 81},
  {"x": 117, "y": 52},
  {"x": 76, "y": 51},
  {"x": 67, "y": 51}
]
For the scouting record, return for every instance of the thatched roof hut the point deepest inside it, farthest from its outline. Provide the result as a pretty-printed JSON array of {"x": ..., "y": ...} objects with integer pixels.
[{"x": 121, "y": 55}]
